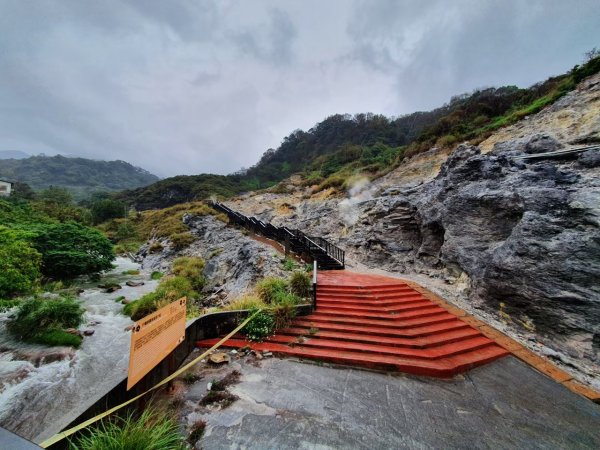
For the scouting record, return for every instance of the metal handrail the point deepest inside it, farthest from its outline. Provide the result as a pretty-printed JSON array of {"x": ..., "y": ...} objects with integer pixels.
[{"x": 314, "y": 247}]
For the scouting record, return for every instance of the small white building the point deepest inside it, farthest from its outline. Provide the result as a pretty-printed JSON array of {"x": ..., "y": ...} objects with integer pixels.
[{"x": 5, "y": 188}]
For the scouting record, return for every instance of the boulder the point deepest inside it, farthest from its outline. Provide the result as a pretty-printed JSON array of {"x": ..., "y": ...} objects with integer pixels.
[
  {"x": 219, "y": 358},
  {"x": 589, "y": 159}
]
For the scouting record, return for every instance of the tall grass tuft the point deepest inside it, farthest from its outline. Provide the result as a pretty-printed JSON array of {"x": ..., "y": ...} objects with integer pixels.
[
  {"x": 150, "y": 431},
  {"x": 245, "y": 302},
  {"x": 43, "y": 320},
  {"x": 270, "y": 287},
  {"x": 300, "y": 284}
]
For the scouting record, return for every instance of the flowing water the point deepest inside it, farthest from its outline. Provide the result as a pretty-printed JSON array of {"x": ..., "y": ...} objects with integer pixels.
[{"x": 43, "y": 389}]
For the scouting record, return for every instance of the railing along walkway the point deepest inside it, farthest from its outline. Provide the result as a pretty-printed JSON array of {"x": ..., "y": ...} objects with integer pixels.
[{"x": 327, "y": 255}]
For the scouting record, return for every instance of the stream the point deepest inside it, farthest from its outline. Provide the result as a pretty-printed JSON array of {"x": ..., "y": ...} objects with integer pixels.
[{"x": 42, "y": 389}]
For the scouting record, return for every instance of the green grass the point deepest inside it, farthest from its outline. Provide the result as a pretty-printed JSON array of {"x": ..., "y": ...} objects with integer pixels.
[
  {"x": 43, "y": 319},
  {"x": 124, "y": 247},
  {"x": 260, "y": 327},
  {"x": 301, "y": 284},
  {"x": 182, "y": 240},
  {"x": 186, "y": 281},
  {"x": 156, "y": 275},
  {"x": 268, "y": 288},
  {"x": 245, "y": 302},
  {"x": 57, "y": 338},
  {"x": 6, "y": 305},
  {"x": 215, "y": 252},
  {"x": 150, "y": 431},
  {"x": 289, "y": 264},
  {"x": 131, "y": 272},
  {"x": 190, "y": 267}
]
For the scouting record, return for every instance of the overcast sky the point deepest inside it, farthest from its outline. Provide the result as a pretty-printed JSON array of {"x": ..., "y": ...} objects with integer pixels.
[{"x": 192, "y": 86}]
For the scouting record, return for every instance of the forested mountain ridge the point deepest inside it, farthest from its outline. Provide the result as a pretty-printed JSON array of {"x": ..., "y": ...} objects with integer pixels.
[
  {"x": 342, "y": 145},
  {"x": 80, "y": 175}
]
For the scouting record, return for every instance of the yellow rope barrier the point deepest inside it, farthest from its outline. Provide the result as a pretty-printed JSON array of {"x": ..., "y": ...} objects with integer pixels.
[{"x": 60, "y": 436}]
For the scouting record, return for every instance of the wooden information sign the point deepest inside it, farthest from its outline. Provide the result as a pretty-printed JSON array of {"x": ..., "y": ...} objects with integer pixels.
[{"x": 154, "y": 337}]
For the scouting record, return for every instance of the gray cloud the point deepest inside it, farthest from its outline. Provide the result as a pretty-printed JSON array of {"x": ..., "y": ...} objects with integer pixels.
[{"x": 189, "y": 86}]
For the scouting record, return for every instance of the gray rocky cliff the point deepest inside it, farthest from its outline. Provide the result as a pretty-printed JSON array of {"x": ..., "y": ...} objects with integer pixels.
[
  {"x": 234, "y": 261},
  {"x": 524, "y": 237}
]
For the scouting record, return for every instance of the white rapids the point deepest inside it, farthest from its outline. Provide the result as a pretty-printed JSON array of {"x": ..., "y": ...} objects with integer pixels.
[{"x": 42, "y": 389}]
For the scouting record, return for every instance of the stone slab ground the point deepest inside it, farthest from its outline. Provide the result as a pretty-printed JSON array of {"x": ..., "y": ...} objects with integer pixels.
[{"x": 286, "y": 404}]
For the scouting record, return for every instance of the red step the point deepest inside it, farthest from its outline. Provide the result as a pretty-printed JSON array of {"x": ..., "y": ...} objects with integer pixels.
[
  {"x": 386, "y": 320},
  {"x": 366, "y": 296},
  {"x": 431, "y": 340},
  {"x": 394, "y": 290},
  {"x": 342, "y": 308},
  {"x": 415, "y": 328},
  {"x": 362, "y": 320},
  {"x": 442, "y": 368},
  {"x": 448, "y": 349}
]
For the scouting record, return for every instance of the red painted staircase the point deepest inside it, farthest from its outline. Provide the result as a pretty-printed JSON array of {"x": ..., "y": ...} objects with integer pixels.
[{"x": 381, "y": 323}]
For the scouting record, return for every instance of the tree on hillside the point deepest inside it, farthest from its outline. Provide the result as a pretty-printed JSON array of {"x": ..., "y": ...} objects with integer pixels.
[
  {"x": 58, "y": 195},
  {"x": 70, "y": 249},
  {"x": 19, "y": 263},
  {"x": 106, "y": 209},
  {"x": 22, "y": 191}
]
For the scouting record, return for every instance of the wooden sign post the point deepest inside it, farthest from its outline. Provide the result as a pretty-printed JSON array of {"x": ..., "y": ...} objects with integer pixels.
[{"x": 154, "y": 337}]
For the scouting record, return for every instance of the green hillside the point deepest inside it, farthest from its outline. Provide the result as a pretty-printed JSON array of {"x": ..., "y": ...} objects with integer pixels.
[
  {"x": 81, "y": 176},
  {"x": 343, "y": 145}
]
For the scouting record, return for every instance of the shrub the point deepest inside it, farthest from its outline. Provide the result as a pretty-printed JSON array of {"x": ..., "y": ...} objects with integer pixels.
[
  {"x": 182, "y": 240},
  {"x": 335, "y": 181},
  {"x": 169, "y": 290},
  {"x": 289, "y": 264},
  {"x": 155, "y": 247},
  {"x": 152, "y": 430},
  {"x": 285, "y": 298},
  {"x": 125, "y": 231},
  {"x": 245, "y": 302},
  {"x": 6, "y": 305},
  {"x": 283, "y": 314},
  {"x": 105, "y": 209},
  {"x": 260, "y": 326},
  {"x": 125, "y": 247},
  {"x": 589, "y": 68},
  {"x": 19, "y": 263},
  {"x": 268, "y": 287},
  {"x": 131, "y": 272},
  {"x": 44, "y": 320},
  {"x": 190, "y": 267},
  {"x": 300, "y": 284},
  {"x": 197, "y": 431},
  {"x": 70, "y": 249},
  {"x": 447, "y": 140},
  {"x": 57, "y": 338},
  {"x": 215, "y": 252}
]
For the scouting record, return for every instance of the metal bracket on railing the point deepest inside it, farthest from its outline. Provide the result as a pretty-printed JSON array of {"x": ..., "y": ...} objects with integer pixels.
[{"x": 315, "y": 284}]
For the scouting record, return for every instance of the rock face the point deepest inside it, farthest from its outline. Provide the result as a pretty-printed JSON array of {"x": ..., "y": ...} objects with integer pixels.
[
  {"x": 525, "y": 237},
  {"x": 234, "y": 261}
]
